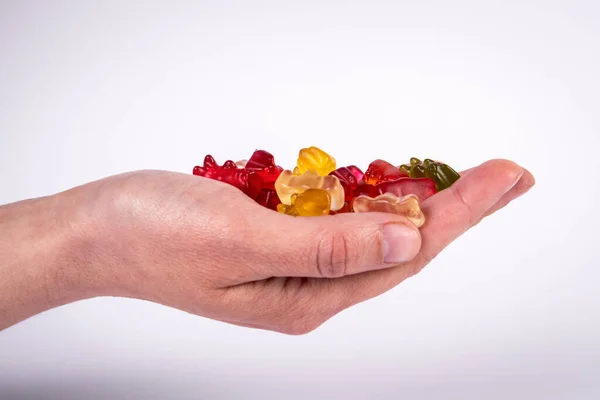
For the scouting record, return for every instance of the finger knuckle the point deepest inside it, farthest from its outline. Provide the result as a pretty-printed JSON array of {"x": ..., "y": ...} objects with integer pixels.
[
  {"x": 335, "y": 254},
  {"x": 459, "y": 196}
]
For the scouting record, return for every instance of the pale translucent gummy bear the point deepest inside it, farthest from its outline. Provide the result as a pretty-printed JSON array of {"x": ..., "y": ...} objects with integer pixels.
[
  {"x": 287, "y": 184},
  {"x": 407, "y": 206}
]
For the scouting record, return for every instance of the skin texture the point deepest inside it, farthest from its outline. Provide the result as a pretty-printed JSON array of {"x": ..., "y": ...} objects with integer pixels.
[{"x": 204, "y": 247}]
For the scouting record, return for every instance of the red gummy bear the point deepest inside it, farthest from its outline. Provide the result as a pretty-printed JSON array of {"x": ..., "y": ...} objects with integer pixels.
[
  {"x": 358, "y": 174},
  {"x": 268, "y": 198},
  {"x": 420, "y": 187},
  {"x": 260, "y": 160},
  {"x": 349, "y": 178},
  {"x": 263, "y": 164},
  {"x": 243, "y": 179},
  {"x": 382, "y": 171},
  {"x": 346, "y": 208}
]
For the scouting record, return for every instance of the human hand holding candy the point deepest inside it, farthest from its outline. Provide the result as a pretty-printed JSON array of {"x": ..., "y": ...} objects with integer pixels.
[{"x": 248, "y": 243}]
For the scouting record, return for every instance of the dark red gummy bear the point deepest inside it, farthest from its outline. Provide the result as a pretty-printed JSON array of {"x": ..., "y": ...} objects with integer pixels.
[
  {"x": 358, "y": 174},
  {"x": 263, "y": 164},
  {"x": 260, "y": 160},
  {"x": 346, "y": 208},
  {"x": 365, "y": 189},
  {"x": 382, "y": 171},
  {"x": 243, "y": 179},
  {"x": 348, "y": 179},
  {"x": 268, "y": 198}
]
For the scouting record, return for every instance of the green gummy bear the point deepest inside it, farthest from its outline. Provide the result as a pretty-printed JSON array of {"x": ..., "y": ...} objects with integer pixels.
[{"x": 443, "y": 175}]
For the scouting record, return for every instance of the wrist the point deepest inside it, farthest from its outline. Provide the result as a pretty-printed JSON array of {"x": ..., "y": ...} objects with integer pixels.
[
  {"x": 39, "y": 253},
  {"x": 82, "y": 266},
  {"x": 71, "y": 273},
  {"x": 51, "y": 255}
]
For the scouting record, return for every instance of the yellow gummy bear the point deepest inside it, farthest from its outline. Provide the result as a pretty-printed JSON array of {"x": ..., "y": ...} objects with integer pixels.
[
  {"x": 407, "y": 206},
  {"x": 310, "y": 203},
  {"x": 288, "y": 184},
  {"x": 314, "y": 159}
]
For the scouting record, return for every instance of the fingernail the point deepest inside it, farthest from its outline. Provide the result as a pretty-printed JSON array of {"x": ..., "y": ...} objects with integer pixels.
[
  {"x": 401, "y": 243},
  {"x": 514, "y": 183}
]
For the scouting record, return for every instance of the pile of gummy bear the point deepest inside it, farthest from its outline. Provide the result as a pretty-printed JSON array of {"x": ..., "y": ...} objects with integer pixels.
[{"x": 316, "y": 187}]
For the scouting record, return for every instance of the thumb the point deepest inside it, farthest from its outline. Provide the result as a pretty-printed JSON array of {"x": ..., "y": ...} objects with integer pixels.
[{"x": 335, "y": 245}]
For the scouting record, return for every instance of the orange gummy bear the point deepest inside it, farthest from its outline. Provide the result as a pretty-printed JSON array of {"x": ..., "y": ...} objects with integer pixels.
[{"x": 310, "y": 203}]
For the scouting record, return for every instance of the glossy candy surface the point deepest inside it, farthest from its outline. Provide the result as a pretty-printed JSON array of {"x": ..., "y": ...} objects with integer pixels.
[
  {"x": 288, "y": 184},
  {"x": 407, "y": 206},
  {"x": 346, "y": 208},
  {"x": 442, "y": 174},
  {"x": 263, "y": 164},
  {"x": 357, "y": 172},
  {"x": 314, "y": 159},
  {"x": 255, "y": 177},
  {"x": 423, "y": 188},
  {"x": 310, "y": 203},
  {"x": 242, "y": 179},
  {"x": 268, "y": 198},
  {"x": 380, "y": 171},
  {"x": 316, "y": 187},
  {"x": 348, "y": 179}
]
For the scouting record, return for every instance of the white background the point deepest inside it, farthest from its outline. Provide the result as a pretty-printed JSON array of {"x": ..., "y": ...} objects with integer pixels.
[{"x": 510, "y": 310}]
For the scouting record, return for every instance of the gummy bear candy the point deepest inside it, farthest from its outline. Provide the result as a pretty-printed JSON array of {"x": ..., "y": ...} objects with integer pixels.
[
  {"x": 423, "y": 188},
  {"x": 348, "y": 179},
  {"x": 268, "y": 198},
  {"x": 310, "y": 203},
  {"x": 382, "y": 171},
  {"x": 420, "y": 187},
  {"x": 287, "y": 184},
  {"x": 263, "y": 164},
  {"x": 443, "y": 175},
  {"x": 314, "y": 159},
  {"x": 316, "y": 187},
  {"x": 247, "y": 182},
  {"x": 407, "y": 206},
  {"x": 346, "y": 208},
  {"x": 260, "y": 159},
  {"x": 366, "y": 189},
  {"x": 358, "y": 174}
]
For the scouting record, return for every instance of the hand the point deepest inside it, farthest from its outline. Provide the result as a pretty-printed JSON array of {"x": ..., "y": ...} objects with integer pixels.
[{"x": 204, "y": 247}]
